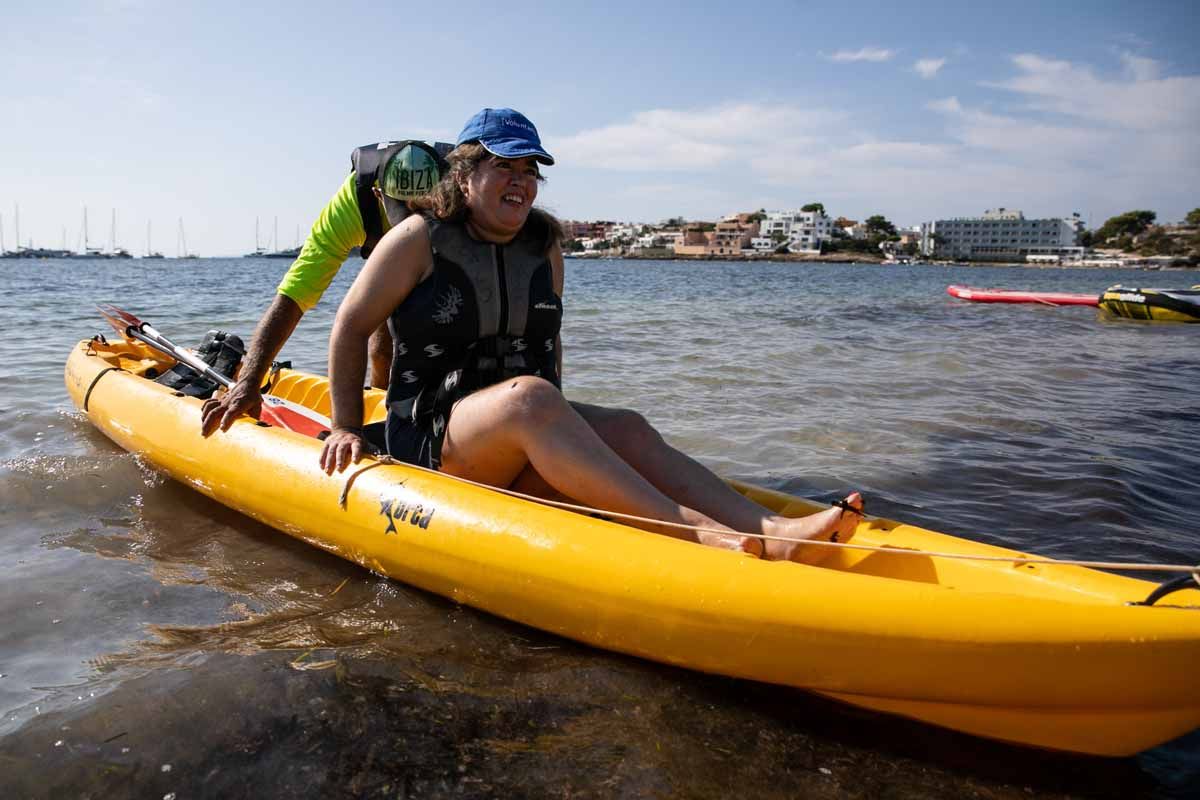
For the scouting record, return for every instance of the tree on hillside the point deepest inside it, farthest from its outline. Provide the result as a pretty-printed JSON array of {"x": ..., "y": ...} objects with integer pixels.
[
  {"x": 1155, "y": 242},
  {"x": 1129, "y": 224},
  {"x": 818, "y": 207},
  {"x": 1193, "y": 217},
  {"x": 879, "y": 227}
]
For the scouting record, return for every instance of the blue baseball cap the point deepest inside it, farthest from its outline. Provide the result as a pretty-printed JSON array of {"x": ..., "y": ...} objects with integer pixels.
[{"x": 505, "y": 133}]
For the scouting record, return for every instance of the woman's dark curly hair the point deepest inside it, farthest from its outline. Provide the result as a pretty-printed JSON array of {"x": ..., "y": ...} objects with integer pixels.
[{"x": 447, "y": 201}]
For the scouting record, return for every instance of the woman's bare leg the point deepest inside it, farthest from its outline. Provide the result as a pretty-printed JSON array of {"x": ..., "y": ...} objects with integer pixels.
[
  {"x": 690, "y": 483},
  {"x": 496, "y": 433}
]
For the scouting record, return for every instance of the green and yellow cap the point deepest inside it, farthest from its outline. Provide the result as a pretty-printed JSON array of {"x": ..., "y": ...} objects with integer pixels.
[{"x": 411, "y": 172}]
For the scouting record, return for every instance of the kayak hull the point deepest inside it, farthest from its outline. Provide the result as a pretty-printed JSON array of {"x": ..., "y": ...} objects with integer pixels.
[
  {"x": 1044, "y": 655},
  {"x": 1157, "y": 305},
  {"x": 1014, "y": 296}
]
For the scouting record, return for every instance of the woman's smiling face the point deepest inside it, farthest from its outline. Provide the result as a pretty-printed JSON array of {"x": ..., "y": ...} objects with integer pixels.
[{"x": 499, "y": 194}]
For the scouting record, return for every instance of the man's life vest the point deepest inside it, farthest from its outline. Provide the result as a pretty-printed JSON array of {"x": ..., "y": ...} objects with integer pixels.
[{"x": 369, "y": 163}]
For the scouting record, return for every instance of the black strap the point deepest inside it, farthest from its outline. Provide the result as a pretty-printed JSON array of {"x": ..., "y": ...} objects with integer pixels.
[
  {"x": 1168, "y": 587},
  {"x": 88, "y": 395}
]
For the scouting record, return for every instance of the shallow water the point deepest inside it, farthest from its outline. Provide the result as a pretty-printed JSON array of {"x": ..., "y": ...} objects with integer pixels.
[{"x": 147, "y": 626}]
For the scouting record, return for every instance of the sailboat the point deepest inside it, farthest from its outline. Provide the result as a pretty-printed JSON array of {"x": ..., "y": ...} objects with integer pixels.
[
  {"x": 181, "y": 244},
  {"x": 259, "y": 250},
  {"x": 276, "y": 252},
  {"x": 113, "y": 250},
  {"x": 88, "y": 251},
  {"x": 149, "y": 252}
]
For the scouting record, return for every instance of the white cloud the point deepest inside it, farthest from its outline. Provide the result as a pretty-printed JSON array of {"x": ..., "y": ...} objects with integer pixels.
[
  {"x": 1140, "y": 102},
  {"x": 1140, "y": 68},
  {"x": 1036, "y": 141},
  {"x": 863, "y": 54},
  {"x": 928, "y": 67},
  {"x": 949, "y": 105},
  {"x": 1068, "y": 138},
  {"x": 738, "y": 156},
  {"x": 667, "y": 139}
]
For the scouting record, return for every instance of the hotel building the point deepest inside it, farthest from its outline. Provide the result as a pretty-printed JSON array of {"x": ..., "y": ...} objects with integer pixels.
[{"x": 1001, "y": 234}]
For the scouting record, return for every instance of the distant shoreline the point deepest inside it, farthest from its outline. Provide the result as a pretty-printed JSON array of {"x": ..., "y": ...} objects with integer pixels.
[
  {"x": 828, "y": 258},
  {"x": 859, "y": 258}
]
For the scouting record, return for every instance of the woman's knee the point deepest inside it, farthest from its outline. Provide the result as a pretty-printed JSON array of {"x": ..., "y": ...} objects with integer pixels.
[{"x": 530, "y": 400}]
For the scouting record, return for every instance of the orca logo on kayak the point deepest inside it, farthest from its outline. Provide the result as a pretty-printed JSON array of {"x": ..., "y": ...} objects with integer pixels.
[{"x": 401, "y": 511}]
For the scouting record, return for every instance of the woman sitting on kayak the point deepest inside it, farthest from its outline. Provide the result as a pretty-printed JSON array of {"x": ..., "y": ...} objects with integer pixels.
[{"x": 471, "y": 290}]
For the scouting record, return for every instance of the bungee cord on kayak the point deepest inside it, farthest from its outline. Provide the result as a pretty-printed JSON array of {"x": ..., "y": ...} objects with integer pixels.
[{"x": 383, "y": 459}]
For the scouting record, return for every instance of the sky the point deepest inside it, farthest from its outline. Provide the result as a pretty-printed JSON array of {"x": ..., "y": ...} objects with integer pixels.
[{"x": 213, "y": 115}]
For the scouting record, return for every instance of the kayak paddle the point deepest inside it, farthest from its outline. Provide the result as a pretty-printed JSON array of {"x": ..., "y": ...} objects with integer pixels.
[{"x": 275, "y": 410}]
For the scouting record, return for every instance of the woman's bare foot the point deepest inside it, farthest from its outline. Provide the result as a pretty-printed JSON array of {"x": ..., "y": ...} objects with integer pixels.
[
  {"x": 731, "y": 541},
  {"x": 823, "y": 526}
]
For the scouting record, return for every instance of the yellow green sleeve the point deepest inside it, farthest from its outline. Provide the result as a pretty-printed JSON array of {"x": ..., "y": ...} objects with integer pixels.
[{"x": 336, "y": 232}]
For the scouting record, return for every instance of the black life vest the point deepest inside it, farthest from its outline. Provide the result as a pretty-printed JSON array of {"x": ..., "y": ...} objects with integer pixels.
[
  {"x": 487, "y": 312},
  {"x": 367, "y": 162}
]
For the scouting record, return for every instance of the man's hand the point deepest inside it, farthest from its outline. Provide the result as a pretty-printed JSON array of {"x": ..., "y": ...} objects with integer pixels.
[{"x": 243, "y": 398}]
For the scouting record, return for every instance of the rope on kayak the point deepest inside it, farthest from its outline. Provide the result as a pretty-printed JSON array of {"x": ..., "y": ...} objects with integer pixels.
[{"x": 381, "y": 460}]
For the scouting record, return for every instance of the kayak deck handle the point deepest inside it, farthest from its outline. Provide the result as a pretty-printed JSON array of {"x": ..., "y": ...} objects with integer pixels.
[{"x": 1169, "y": 587}]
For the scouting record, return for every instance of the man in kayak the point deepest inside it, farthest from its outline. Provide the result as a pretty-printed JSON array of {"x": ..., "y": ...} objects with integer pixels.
[
  {"x": 472, "y": 289},
  {"x": 384, "y": 177}
]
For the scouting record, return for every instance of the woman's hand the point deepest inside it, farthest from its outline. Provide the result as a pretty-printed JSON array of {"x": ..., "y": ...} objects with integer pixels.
[{"x": 343, "y": 447}]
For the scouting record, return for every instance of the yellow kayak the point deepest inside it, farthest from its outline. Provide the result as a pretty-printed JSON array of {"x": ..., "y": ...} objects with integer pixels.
[{"x": 1046, "y": 655}]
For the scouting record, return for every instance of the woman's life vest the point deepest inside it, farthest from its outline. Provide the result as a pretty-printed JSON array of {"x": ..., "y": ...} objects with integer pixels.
[{"x": 488, "y": 312}]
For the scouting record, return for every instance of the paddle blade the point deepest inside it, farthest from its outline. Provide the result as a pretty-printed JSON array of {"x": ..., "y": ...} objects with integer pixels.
[
  {"x": 110, "y": 311},
  {"x": 119, "y": 325},
  {"x": 293, "y": 417}
]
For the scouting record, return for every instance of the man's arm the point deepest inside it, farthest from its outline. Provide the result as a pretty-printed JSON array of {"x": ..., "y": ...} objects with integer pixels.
[
  {"x": 245, "y": 396},
  {"x": 337, "y": 230}
]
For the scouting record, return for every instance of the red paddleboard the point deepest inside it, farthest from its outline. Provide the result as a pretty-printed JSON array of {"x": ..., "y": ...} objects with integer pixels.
[{"x": 1010, "y": 296}]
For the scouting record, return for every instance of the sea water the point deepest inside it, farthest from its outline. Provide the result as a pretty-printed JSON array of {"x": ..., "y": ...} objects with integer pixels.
[{"x": 155, "y": 642}]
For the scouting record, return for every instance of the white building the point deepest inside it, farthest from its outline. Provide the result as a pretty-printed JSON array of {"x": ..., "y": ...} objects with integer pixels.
[
  {"x": 1001, "y": 234},
  {"x": 802, "y": 231},
  {"x": 626, "y": 230}
]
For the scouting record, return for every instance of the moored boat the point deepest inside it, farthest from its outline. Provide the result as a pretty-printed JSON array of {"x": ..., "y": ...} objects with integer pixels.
[
  {"x": 1050, "y": 655},
  {"x": 1159, "y": 305}
]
